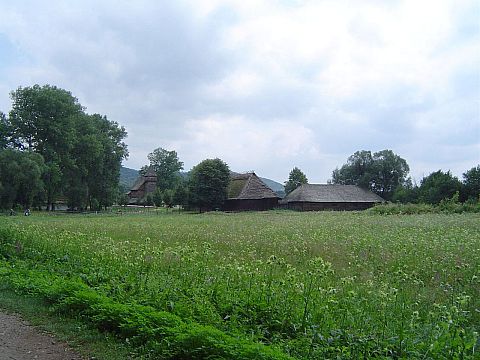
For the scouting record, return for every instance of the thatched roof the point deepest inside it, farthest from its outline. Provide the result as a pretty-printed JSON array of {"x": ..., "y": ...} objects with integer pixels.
[
  {"x": 138, "y": 184},
  {"x": 248, "y": 186},
  {"x": 321, "y": 193},
  {"x": 142, "y": 179}
]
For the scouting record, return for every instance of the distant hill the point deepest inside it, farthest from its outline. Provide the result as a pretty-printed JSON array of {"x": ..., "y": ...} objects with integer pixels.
[
  {"x": 278, "y": 188},
  {"x": 128, "y": 177}
]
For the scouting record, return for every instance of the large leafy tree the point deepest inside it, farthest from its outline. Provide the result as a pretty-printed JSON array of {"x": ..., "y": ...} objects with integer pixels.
[
  {"x": 295, "y": 179},
  {"x": 180, "y": 196},
  {"x": 42, "y": 120},
  {"x": 167, "y": 166},
  {"x": 381, "y": 172},
  {"x": 389, "y": 172},
  {"x": 6, "y": 135},
  {"x": 82, "y": 152},
  {"x": 41, "y": 117},
  {"x": 21, "y": 178},
  {"x": 357, "y": 171},
  {"x": 103, "y": 179},
  {"x": 471, "y": 184},
  {"x": 437, "y": 186},
  {"x": 208, "y": 184}
]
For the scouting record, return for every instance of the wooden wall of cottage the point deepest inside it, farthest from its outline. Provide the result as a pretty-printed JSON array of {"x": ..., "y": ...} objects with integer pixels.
[
  {"x": 250, "y": 204},
  {"x": 336, "y": 206}
]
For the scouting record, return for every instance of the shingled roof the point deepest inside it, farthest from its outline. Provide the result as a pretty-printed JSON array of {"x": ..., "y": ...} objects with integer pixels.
[
  {"x": 327, "y": 193},
  {"x": 248, "y": 186},
  {"x": 142, "y": 179}
]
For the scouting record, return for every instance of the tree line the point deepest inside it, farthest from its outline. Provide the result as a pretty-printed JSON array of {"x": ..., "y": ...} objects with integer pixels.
[
  {"x": 386, "y": 174},
  {"x": 51, "y": 150},
  {"x": 204, "y": 187}
]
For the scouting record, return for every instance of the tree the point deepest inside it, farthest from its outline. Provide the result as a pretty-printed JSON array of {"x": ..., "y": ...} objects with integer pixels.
[
  {"x": 41, "y": 117},
  {"x": 104, "y": 176},
  {"x": 406, "y": 193},
  {"x": 438, "y": 186},
  {"x": 389, "y": 171},
  {"x": 157, "y": 197},
  {"x": 122, "y": 199},
  {"x": 357, "y": 171},
  {"x": 471, "y": 184},
  {"x": 208, "y": 184},
  {"x": 168, "y": 198},
  {"x": 295, "y": 179},
  {"x": 180, "y": 196},
  {"x": 167, "y": 167},
  {"x": 21, "y": 178},
  {"x": 82, "y": 152},
  {"x": 42, "y": 121},
  {"x": 6, "y": 132},
  {"x": 381, "y": 172}
]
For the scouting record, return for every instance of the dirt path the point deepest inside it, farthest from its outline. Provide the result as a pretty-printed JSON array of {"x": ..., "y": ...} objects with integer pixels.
[{"x": 21, "y": 341}]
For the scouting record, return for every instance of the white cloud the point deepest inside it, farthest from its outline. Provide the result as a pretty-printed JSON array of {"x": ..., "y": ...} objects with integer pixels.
[{"x": 265, "y": 85}]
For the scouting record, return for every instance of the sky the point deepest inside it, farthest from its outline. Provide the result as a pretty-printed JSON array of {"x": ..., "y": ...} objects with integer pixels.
[{"x": 263, "y": 85}]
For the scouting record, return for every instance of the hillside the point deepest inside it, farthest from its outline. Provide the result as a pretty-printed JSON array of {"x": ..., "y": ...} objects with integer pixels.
[{"x": 128, "y": 177}]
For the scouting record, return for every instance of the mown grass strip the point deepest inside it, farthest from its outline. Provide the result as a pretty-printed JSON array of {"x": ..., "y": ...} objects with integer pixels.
[{"x": 164, "y": 335}]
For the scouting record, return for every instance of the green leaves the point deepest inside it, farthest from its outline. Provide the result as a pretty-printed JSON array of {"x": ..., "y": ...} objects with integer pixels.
[
  {"x": 295, "y": 179},
  {"x": 208, "y": 184},
  {"x": 381, "y": 172},
  {"x": 82, "y": 152}
]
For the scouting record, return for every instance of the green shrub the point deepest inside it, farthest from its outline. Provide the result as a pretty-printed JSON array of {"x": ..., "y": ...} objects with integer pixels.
[{"x": 164, "y": 334}]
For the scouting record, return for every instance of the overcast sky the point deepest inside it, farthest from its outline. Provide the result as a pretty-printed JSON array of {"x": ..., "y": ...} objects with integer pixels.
[{"x": 263, "y": 85}]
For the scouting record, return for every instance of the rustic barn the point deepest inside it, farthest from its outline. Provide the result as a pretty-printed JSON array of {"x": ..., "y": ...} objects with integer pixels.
[
  {"x": 143, "y": 186},
  {"x": 314, "y": 197},
  {"x": 248, "y": 192}
]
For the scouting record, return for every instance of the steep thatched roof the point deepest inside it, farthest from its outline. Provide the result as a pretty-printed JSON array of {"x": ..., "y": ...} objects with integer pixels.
[
  {"x": 332, "y": 194},
  {"x": 138, "y": 184},
  {"x": 248, "y": 186},
  {"x": 142, "y": 179}
]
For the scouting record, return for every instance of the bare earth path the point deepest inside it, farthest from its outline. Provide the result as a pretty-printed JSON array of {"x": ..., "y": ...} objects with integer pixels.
[{"x": 19, "y": 341}]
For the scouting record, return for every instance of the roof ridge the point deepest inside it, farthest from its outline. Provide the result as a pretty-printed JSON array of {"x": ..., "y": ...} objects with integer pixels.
[{"x": 246, "y": 185}]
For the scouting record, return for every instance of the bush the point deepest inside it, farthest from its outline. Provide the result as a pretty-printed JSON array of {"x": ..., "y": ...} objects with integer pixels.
[
  {"x": 163, "y": 334},
  {"x": 446, "y": 206}
]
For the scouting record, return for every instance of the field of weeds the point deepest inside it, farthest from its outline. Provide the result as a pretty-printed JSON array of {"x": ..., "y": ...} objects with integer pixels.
[{"x": 273, "y": 285}]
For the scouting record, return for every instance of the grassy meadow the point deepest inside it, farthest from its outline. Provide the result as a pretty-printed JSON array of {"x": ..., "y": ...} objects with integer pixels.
[{"x": 270, "y": 285}]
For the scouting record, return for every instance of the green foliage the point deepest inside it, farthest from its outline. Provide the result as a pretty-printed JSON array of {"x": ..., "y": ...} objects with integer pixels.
[
  {"x": 168, "y": 197},
  {"x": 295, "y": 179},
  {"x": 316, "y": 285},
  {"x": 163, "y": 334},
  {"x": 122, "y": 199},
  {"x": 381, "y": 172},
  {"x": 438, "y": 186},
  {"x": 21, "y": 178},
  {"x": 180, "y": 196},
  {"x": 82, "y": 152},
  {"x": 167, "y": 167},
  {"x": 471, "y": 184},
  {"x": 149, "y": 200},
  {"x": 6, "y": 133},
  {"x": 357, "y": 171},
  {"x": 157, "y": 197},
  {"x": 406, "y": 193},
  {"x": 208, "y": 184},
  {"x": 447, "y": 206}
]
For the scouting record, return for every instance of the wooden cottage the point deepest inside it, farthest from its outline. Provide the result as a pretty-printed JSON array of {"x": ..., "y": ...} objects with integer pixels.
[
  {"x": 143, "y": 186},
  {"x": 248, "y": 192},
  {"x": 314, "y": 197}
]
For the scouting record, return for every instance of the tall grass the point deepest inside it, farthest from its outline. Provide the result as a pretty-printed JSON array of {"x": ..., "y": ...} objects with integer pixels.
[{"x": 317, "y": 285}]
